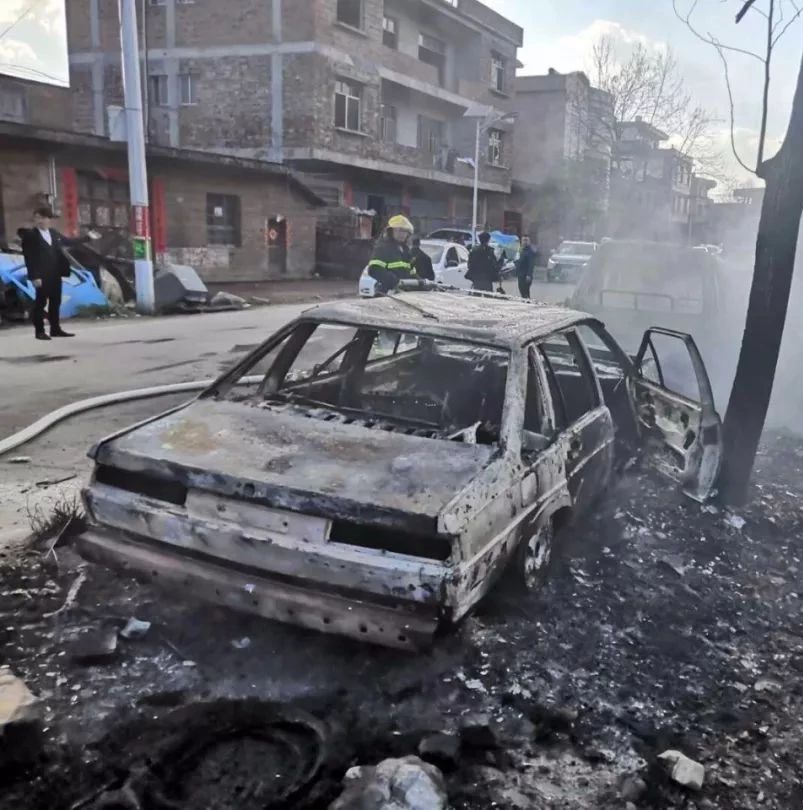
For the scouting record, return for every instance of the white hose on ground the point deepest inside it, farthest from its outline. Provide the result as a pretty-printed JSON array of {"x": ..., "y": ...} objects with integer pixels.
[{"x": 82, "y": 406}]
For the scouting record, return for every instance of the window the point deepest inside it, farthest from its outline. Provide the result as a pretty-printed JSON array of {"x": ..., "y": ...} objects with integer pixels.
[
  {"x": 157, "y": 90},
  {"x": 387, "y": 123},
  {"x": 498, "y": 70},
  {"x": 571, "y": 381},
  {"x": 430, "y": 134},
  {"x": 495, "y": 140},
  {"x": 390, "y": 32},
  {"x": 349, "y": 12},
  {"x": 668, "y": 363},
  {"x": 432, "y": 51},
  {"x": 347, "y": 105},
  {"x": 223, "y": 219},
  {"x": 188, "y": 89},
  {"x": 12, "y": 104}
]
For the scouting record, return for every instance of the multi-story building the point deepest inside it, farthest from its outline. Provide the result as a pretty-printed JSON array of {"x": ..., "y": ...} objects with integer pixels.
[
  {"x": 561, "y": 169},
  {"x": 367, "y": 97},
  {"x": 652, "y": 191},
  {"x": 232, "y": 218}
]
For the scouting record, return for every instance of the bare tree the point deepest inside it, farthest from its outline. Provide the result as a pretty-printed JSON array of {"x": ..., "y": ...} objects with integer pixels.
[
  {"x": 776, "y": 245},
  {"x": 650, "y": 85}
]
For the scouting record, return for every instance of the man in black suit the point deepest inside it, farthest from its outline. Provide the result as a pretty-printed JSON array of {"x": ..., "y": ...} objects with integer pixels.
[{"x": 43, "y": 249}]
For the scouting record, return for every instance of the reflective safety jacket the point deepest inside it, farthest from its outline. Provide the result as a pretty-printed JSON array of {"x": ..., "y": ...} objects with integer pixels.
[{"x": 390, "y": 256}]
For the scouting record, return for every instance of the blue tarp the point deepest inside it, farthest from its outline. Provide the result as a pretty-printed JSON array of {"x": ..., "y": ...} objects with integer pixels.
[
  {"x": 509, "y": 243},
  {"x": 78, "y": 291}
]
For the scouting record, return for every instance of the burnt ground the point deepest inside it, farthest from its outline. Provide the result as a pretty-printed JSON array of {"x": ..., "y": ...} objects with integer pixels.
[{"x": 665, "y": 625}]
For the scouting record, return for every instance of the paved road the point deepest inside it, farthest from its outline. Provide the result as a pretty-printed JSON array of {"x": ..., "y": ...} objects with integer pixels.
[{"x": 115, "y": 355}]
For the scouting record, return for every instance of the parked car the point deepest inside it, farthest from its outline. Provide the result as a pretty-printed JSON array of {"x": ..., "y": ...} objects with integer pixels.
[
  {"x": 376, "y": 466},
  {"x": 631, "y": 284},
  {"x": 449, "y": 261},
  {"x": 503, "y": 244},
  {"x": 568, "y": 261}
]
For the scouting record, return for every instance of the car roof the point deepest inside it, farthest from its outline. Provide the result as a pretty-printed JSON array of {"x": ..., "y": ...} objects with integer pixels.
[
  {"x": 503, "y": 322},
  {"x": 440, "y": 242}
]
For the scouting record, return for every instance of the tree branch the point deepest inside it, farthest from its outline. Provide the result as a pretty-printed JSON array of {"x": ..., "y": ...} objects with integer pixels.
[
  {"x": 747, "y": 6},
  {"x": 708, "y": 38},
  {"x": 765, "y": 100},
  {"x": 732, "y": 111},
  {"x": 795, "y": 17}
]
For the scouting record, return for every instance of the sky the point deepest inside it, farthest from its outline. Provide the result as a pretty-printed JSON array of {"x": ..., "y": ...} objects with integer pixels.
[{"x": 558, "y": 34}]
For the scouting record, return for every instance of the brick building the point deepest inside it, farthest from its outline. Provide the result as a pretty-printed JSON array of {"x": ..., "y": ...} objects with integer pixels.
[
  {"x": 561, "y": 170},
  {"x": 232, "y": 218},
  {"x": 367, "y": 97}
]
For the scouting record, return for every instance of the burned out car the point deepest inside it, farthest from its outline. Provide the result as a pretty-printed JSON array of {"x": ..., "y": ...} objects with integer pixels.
[{"x": 376, "y": 466}]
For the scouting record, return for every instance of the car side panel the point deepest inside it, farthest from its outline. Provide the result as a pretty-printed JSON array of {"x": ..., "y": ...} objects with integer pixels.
[{"x": 489, "y": 542}]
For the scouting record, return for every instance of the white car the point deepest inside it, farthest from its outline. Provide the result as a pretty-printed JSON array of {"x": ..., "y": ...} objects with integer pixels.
[
  {"x": 568, "y": 261},
  {"x": 449, "y": 261}
]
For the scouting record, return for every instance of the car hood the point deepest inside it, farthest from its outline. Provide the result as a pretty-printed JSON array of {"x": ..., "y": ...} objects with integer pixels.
[{"x": 292, "y": 461}]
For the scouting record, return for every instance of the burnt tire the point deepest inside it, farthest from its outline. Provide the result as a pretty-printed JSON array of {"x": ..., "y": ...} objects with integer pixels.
[{"x": 529, "y": 567}]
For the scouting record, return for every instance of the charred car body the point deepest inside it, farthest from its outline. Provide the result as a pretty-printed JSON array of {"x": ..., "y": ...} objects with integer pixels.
[{"x": 377, "y": 465}]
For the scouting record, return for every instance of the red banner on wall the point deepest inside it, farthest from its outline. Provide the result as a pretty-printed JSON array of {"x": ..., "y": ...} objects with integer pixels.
[{"x": 69, "y": 202}]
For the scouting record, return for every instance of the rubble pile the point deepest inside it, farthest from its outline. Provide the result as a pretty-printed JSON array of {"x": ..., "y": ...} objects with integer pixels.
[{"x": 660, "y": 667}]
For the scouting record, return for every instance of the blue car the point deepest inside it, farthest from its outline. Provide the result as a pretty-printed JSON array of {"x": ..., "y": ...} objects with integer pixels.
[{"x": 80, "y": 291}]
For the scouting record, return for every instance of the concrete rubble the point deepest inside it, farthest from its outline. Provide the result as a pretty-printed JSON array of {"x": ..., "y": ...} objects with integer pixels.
[
  {"x": 394, "y": 784},
  {"x": 683, "y": 770},
  {"x": 20, "y": 721}
]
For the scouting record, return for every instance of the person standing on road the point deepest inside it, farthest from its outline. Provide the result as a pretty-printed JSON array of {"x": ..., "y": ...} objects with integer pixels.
[
  {"x": 422, "y": 263},
  {"x": 483, "y": 266},
  {"x": 392, "y": 260},
  {"x": 525, "y": 266},
  {"x": 47, "y": 264}
]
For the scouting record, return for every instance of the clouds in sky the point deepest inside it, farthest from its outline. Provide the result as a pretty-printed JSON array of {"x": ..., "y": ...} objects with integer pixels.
[{"x": 36, "y": 46}]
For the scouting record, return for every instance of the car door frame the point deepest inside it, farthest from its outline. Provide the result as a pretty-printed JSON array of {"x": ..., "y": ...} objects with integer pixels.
[
  {"x": 587, "y": 473},
  {"x": 670, "y": 433}
]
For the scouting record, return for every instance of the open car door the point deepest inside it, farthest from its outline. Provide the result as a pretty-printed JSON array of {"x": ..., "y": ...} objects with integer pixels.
[{"x": 681, "y": 429}]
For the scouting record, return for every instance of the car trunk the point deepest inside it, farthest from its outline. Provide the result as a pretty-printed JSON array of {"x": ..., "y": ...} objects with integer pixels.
[{"x": 314, "y": 466}]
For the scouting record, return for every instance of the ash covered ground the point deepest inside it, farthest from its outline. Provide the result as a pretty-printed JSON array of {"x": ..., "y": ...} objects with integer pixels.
[{"x": 666, "y": 625}]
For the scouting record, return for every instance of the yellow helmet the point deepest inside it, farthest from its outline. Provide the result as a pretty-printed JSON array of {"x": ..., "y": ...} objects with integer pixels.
[{"x": 401, "y": 223}]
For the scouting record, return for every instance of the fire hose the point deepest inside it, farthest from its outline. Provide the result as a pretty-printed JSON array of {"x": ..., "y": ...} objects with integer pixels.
[{"x": 82, "y": 406}]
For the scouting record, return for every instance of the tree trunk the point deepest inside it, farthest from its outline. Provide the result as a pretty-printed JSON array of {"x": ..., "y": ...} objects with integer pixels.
[{"x": 776, "y": 246}]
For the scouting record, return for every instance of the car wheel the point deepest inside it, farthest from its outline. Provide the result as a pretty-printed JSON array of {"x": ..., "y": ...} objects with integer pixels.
[{"x": 529, "y": 567}]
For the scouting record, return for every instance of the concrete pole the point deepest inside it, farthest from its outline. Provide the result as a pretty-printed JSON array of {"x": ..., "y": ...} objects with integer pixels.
[
  {"x": 137, "y": 174},
  {"x": 476, "y": 184}
]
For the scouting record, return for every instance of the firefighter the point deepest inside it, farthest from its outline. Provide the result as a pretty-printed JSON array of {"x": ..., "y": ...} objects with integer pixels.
[{"x": 392, "y": 259}]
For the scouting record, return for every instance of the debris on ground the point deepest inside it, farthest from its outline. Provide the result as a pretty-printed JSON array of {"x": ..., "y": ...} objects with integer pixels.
[
  {"x": 96, "y": 646},
  {"x": 684, "y": 771},
  {"x": 574, "y": 692},
  {"x": 441, "y": 749},
  {"x": 20, "y": 721},
  {"x": 19, "y": 460},
  {"x": 64, "y": 518},
  {"x": 735, "y": 522},
  {"x": 229, "y": 300},
  {"x": 135, "y": 629},
  {"x": 394, "y": 784}
]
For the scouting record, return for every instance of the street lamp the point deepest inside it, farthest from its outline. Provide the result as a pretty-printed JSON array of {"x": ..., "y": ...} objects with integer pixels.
[{"x": 486, "y": 118}]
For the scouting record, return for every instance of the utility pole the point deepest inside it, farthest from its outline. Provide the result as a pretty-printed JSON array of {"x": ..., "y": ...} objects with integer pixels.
[
  {"x": 474, "y": 242},
  {"x": 137, "y": 174}
]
